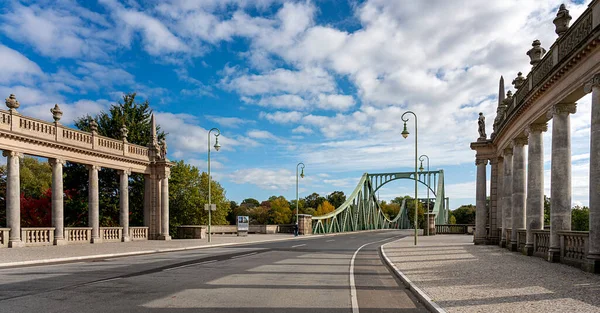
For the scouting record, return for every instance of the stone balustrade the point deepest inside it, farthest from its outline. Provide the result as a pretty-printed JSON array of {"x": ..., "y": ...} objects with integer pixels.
[
  {"x": 138, "y": 233},
  {"x": 78, "y": 235},
  {"x": 573, "y": 247},
  {"x": 454, "y": 228},
  {"x": 55, "y": 132},
  {"x": 4, "y": 232},
  {"x": 111, "y": 234},
  {"x": 521, "y": 239},
  {"x": 541, "y": 242},
  {"x": 37, "y": 236}
]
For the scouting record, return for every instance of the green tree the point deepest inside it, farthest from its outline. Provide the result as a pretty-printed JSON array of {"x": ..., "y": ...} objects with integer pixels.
[
  {"x": 250, "y": 203},
  {"x": 546, "y": 211},
  {"x": 35, "y": 176},
  {"x": 580, "y": 218},
  {"x": 280, "y": 212},
  {"x": 233, "y": 212},
  {"x": 313, "y": 200},
  {"x": 324, "y": 208},
  {"x": 336, "y": 198},
  {"x": 188, "y": 193},
  {"x": 410, "y": 207},
  {"x": 390, "y": 209},
  {"x": 465, "y": 214},
  {"x": 452, "y": 219}
]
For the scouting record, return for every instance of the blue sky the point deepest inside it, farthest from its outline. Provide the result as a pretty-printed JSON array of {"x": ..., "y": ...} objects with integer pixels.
[{"x": 322, "y": 82}]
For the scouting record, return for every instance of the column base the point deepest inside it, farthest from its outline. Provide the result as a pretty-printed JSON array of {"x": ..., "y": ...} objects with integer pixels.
[
  {"x": 16, "y": 244},
  {"x": 96, "y": 240},
  {"x": 164, "y": 237},
  {"x": 125, "y": 239},
  {"x": 479, "y": 241},
  {"x": 553, "y": 255},
  {"x": 591, "y": 265},
  {"x": 514, "y": 246},
  {"x": 502, "y": 243},
  {"x": 528, "y": 249},
  {"x": 60, "y": 242}
]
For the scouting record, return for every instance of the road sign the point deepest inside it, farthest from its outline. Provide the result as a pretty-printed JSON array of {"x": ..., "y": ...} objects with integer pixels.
[{"x": 213, "y": 207}]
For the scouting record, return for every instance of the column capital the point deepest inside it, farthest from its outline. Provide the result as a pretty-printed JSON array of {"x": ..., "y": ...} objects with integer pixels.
[
  {"x": 519, "y": 141},
  {"x": 562, "y": 108},
  {"x": 125, "y": 172},
  {"x": 594, "y": 82},
  {"x": 13, "y": 154},
  {"x": 507, "y": 151},
  {"x": 93, "y": 167},
  {"x": 56, "y": 161},
  {"x": 494, "y": 161},
  {"x": 479, "y": 161},
  {"x": 536, "y": 127}
]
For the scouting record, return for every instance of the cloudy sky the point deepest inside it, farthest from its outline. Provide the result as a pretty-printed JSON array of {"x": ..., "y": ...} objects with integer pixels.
[{"x": 324, "y": 82}]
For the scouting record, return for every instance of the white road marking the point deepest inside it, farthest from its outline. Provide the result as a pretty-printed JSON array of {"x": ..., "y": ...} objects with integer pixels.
[
  {"x": 355, "y": 308},
  {"x": 329, "y": 240},
  {"x": 103, "y": 281},
  {"x": 243, "y": 255},
  {"x": 299, "y": 245}
]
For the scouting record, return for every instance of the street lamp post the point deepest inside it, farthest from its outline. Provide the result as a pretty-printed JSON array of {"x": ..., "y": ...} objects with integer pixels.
[
  {"x": 302, "y": 176},
  {"x": 217, "y": 147},
  {"x": 405, "y": 134},
  {"x": 428, "y": 186}
]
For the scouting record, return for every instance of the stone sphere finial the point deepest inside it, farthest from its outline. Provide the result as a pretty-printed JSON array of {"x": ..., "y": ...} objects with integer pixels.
[
  {"x": 562, "y": 20},
  {"x": 94, "y": 126},
  {"x": 12, "y": 103},
  {"x": 56, "y": 113},
  {"x": 124, "y": 132},
  {"x": 518, "y": 81},
  {"x": 536, "y": 53}
]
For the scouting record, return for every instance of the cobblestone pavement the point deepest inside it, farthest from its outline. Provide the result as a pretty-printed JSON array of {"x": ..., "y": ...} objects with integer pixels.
[{"x": 462, "y": 277}]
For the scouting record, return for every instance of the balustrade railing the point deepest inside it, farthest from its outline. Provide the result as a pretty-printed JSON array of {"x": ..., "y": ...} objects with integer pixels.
[
  {"x": 37, "y": 236},
  {"x": 111, "y": 233},
  {"x": 453, "y": 228},
  {"x": 78, "y": 234},
  {"x": 541, "y": 242},
  {"x": 573, "y": 247},
  {"x": 4, "y": 237},
  {"x": 138, "y": 233}
]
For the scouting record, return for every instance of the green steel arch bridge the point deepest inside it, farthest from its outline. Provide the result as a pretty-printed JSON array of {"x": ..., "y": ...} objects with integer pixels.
[{"x": 361, "y": 210}]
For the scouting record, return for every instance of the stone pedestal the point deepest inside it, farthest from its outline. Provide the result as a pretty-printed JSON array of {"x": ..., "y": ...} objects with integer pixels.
[
  {"x": 304, "y": 224},
  {"x": 431, "y": 224},
  {"x": 560, "y": 189}
]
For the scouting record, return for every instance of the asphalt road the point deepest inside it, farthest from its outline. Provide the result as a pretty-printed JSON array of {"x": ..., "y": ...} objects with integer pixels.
[{"x": 325, "y": 274}]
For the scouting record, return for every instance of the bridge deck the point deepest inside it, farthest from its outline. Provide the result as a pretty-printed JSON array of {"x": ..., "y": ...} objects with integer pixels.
[{"x": 462, "y": 277}]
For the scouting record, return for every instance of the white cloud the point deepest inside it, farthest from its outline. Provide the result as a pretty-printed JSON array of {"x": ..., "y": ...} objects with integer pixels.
[
  {"x": 302, "y": 130},
  {"x": 231, "y": 122},
  {"x": 336, "y": 102},
  {"x": 265, "y": 178},
  {"x": 16, "y": 67},
  {"x": 282, "y": 117}
]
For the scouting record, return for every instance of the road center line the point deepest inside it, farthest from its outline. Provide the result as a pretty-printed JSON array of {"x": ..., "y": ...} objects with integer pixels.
[
  {"x": 299, "y": 245},
  {"x": 330, "y": 240},
  {"x": 188, "y": 265},
  {"x": 353, "y": 297},
  {"x": 243, "y": 255}
]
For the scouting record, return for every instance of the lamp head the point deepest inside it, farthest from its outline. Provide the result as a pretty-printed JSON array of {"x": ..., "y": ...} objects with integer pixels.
[
  {"x": 405, "y": 131},
  {"x": 217, "y": 145},
  {"x": 421, "y": 167},
  {"x": 302, "y": 173}
]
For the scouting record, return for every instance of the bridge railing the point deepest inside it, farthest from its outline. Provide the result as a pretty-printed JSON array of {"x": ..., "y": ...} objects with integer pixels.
[
  {"x": 78, "y": 234},
  {"x": 454, "y": 229},
  {"x": 573, "y": 247},
  {"x": 38, "y": 236},
  {"x": 4, "y": 237}
]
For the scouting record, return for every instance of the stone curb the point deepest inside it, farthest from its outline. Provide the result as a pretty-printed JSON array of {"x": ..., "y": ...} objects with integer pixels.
[
  {"x": 134, "y": 253},
  {"x": 420, "y": 294}
]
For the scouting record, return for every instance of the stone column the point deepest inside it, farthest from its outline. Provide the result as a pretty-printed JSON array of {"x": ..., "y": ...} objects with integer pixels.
[
  {"x": 147, "y": 198},
  {"x": 507, "y": 197},
  {"x": 500, "y": 198},
  {"x": 124, "y": 203},
  {"x": 492, "y": 236},
  {"x": 593, "y": 258},
  {"x": 535, "y": 182},
  {"x": 94, "y": 203},
  {"x": 518, "y": 194},
  {"x": 57, "y": 201},
  {"x": 164, "y": 197},
  {"x": 480, "y": 210},
  {"x": 13, "y": 198},
  {"x": 560, "y": 179}
]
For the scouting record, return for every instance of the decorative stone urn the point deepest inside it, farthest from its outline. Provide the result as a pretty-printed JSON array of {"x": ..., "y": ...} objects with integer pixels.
[
  {"x": 518, "y": 81},
  {"x": 56, "y": 113},
  {"x": 12, "y": 103},
  {"x": 94, "y": 126},
  {"x": 562, "y": 20},
  {"x": 536, "y": 53}
]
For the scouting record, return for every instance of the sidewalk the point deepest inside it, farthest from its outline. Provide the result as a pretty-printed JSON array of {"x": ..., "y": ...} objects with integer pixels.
[
  {"x": 462, "y": 277},
  {"x": 53, "y": 254}
]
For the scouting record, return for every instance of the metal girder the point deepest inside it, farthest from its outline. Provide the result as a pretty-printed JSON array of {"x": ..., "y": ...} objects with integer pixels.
[{"x": 361, "y": 211}]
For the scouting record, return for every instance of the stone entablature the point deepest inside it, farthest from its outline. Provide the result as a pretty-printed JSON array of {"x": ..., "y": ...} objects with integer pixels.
[
  {"x": 572, "y": 47},
  {"x": 53, "y": 140}
]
